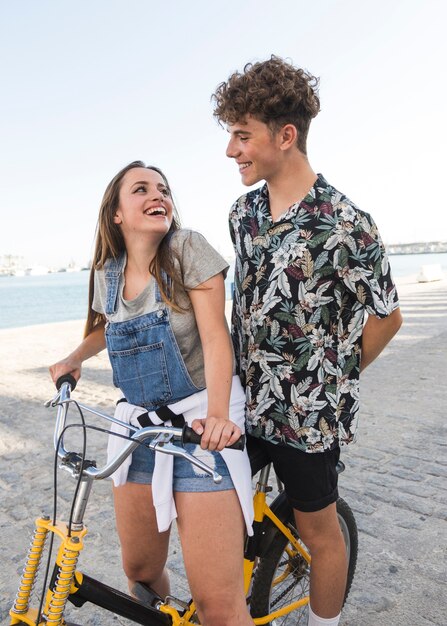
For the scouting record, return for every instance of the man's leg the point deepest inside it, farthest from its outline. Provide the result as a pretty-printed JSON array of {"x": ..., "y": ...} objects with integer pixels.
[{"x": 320, "y": 531}]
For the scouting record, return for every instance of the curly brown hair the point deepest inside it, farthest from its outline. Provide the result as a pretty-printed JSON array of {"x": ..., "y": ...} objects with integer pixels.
[{"x": 274, "y": 92}]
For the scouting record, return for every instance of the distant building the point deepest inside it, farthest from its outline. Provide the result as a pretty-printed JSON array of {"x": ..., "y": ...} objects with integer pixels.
[{"x": 11, "y": 265}]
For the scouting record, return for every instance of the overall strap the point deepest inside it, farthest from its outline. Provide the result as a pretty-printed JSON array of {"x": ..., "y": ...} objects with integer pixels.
[{"x": 112, "y": 270}]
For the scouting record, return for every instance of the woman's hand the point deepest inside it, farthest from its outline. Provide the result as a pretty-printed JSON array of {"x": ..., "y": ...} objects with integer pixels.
[
  {"x": 217, "y": 432},
  {"x": 69, "y": 365}
]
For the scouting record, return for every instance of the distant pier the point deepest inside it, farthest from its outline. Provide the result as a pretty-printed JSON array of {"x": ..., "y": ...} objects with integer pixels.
[{"x": 423, "y": 247}]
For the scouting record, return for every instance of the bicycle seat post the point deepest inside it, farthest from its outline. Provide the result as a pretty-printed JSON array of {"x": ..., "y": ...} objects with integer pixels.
[{"x": 263, "y": 481}]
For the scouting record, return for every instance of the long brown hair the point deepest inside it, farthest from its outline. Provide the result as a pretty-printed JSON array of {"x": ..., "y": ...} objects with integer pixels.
[{"x": 110, "y": 244}]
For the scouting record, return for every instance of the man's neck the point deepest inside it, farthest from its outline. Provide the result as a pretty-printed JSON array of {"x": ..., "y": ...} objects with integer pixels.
[{"x": 290, "y": 185}]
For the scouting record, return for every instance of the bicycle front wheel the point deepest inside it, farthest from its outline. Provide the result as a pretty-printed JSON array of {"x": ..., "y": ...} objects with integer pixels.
[{"x": 282, "y": 575}]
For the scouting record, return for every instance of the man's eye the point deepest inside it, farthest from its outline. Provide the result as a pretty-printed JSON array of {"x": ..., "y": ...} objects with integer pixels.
[{"x": 244, "y": 139}]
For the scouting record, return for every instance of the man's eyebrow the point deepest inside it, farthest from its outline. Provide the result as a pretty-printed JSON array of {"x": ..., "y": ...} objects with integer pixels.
[{"x": 240, "y": 132}]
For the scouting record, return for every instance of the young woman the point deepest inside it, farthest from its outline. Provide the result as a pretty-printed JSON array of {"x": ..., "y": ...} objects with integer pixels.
[{"x": 157, "y": 303}]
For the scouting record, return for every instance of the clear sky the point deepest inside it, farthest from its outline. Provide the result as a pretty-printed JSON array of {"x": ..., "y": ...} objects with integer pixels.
[{"x": 88, "y": 86}]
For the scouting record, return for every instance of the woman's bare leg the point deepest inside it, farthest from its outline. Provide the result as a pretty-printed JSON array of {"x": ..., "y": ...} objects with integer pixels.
[
  {"x": 211, "y": 529},
  {"x": 144, "y": 549}
]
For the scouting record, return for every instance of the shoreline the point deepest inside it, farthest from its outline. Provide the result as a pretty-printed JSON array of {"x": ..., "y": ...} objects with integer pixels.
[
  {"x": 403, "y": 284},
  {"x": 394, "y": 479}
]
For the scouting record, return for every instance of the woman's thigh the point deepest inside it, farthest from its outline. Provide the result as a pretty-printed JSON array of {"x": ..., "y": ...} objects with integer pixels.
[
  {"x": 211, "y": 529},
  {"x": 142, "y": 545}
]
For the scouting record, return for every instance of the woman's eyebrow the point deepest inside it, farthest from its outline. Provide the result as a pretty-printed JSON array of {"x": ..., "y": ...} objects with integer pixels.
[{"x": 140, "y": 182}]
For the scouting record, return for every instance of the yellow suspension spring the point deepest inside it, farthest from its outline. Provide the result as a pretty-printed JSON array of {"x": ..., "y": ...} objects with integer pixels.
[
  {"x": 31, "y": 567},
  {"x": 61, "y": 590}
]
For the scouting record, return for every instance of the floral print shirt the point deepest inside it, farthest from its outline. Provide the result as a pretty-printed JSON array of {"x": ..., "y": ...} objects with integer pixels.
[{"x": 302, "y": 286}]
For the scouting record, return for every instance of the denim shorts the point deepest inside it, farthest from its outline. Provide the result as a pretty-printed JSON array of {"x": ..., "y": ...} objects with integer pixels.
[{"x": 187, "y": 477}]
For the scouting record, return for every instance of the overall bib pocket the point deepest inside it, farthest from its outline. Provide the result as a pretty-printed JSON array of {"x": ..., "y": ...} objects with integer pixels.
[
  {"x": 142, "y": 374},
  {"x": 147, "y": 364}
]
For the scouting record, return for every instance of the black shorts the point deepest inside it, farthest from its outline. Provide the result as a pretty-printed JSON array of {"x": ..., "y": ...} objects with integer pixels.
[{"x": 310, "y": 479}]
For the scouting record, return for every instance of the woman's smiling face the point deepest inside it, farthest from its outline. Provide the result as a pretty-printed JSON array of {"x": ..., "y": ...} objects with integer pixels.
[{"x": 145, "y": 204}]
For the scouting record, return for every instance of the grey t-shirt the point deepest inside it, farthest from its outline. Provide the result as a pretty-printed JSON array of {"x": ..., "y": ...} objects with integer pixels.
[{"x": 196, "y": 261}]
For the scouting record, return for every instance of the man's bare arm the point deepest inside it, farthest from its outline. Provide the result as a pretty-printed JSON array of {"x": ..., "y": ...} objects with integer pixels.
[{"x": 377, "y": 333}]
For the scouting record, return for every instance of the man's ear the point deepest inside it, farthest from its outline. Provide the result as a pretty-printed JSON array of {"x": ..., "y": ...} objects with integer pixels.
[{"x": 289, "y": 136}]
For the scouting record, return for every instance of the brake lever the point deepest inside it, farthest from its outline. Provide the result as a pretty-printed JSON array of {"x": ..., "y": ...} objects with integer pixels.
[
  {"x": 53, "y": 401},
  {"x": 161, "y": 443}
]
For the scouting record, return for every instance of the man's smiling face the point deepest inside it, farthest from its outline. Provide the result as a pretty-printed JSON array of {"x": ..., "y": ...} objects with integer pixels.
[{"x": 255, "y": 148}]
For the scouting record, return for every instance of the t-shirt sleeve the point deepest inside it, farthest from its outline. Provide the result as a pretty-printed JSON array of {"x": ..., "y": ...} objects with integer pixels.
[
  {"x": 98, "y": 303},
  {"x": 363, "y": 265},
  {"x": 198, "y": 260}
]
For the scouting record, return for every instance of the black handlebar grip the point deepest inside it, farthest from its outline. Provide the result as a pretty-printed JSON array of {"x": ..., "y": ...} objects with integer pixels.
[
  {"x": 66, "y": 378},
  {"x": 190, "y": 436}
]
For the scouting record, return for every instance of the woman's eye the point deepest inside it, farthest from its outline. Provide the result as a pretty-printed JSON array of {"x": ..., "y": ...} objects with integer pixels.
[
  {"x": 140, "y": 188},
  {"x": 165, "y": 191}
]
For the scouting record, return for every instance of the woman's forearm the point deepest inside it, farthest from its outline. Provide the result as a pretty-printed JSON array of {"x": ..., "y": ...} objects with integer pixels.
[
  {"x": 72, "y": 364},
  {"x": 218, "y": 358},
  {"x": 92, "y": 345}
]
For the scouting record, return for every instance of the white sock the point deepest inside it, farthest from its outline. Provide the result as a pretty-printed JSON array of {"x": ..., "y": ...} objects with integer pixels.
[{"x": 314, "y": 620}]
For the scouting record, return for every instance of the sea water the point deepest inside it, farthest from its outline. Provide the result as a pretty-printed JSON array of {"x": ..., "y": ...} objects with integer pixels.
[{"x": 28, "y": 300}]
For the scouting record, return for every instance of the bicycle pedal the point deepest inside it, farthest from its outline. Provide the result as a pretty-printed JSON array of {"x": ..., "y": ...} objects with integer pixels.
[
  {"x": 181, "y": 603},
  {"x": 147, "y": 595}
]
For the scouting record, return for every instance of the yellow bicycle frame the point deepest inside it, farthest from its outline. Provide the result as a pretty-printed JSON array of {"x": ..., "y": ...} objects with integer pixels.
[
  {"x": 69, "y": 579},
  {"x": 261, "y": 511}
]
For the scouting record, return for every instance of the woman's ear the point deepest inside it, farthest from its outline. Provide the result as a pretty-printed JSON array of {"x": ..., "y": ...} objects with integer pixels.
[{"x": 117, "y": 219}]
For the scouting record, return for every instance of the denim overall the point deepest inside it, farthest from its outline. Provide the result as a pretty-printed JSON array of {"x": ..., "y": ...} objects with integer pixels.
[
  {"x": 146, "y": 361},
  {"x": 149, "y": 369}
]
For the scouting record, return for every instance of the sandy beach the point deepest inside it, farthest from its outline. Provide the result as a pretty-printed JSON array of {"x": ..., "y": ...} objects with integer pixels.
[{"x": 395, "y": 478}]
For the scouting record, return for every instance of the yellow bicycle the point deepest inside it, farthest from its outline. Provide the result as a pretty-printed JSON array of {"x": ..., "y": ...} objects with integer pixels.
[{"x": 276, "y": 563}]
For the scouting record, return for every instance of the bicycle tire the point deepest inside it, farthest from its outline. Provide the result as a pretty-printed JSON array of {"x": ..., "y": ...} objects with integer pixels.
[{"x": 292, "y": 572}]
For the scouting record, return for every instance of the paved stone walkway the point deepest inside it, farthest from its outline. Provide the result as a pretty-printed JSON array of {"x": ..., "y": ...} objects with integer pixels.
[{"x": 395, "y": 479}]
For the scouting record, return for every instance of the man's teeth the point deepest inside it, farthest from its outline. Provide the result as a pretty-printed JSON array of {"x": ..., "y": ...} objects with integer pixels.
[{"x": 242, "y": 166}]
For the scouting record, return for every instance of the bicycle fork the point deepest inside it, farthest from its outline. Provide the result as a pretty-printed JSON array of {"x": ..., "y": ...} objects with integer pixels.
[
  {"x": 62, "y": 581},
  {"x": 31, "y": 568}
]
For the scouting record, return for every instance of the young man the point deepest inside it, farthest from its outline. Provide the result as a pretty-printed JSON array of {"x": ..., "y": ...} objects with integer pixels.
[{"x": 309, "y": 264}]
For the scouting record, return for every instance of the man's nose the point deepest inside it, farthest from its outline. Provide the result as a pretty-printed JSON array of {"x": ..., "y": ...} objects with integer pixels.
[{"x": 231, "y": 150}]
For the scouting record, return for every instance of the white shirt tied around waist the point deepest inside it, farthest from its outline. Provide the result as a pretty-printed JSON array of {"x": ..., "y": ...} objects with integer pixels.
[{"x": 193, "y": 407}]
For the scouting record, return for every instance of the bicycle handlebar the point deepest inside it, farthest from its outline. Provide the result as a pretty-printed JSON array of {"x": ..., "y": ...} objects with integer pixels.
[
  {"x": 66, "y": 378},
  {"x": 190, "y": 436},
  {"x": 66, "y": 383}
]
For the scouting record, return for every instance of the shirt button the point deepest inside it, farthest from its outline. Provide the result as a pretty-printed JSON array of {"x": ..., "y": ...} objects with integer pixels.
[{"x": 160, "y": 313}]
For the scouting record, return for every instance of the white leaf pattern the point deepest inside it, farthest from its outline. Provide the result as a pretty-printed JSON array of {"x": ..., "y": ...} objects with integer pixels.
[{"x": 299, "y": 317}]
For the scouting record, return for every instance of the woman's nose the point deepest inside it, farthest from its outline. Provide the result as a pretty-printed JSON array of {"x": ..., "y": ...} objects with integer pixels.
[{"x": 157, "y": 195}]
